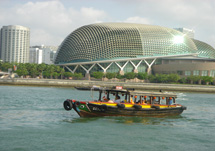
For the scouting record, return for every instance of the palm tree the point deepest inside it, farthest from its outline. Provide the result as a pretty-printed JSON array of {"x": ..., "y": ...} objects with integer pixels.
[
  {"x": 62, "y": 71},
  {"x": 5, "y": 66},
  {"x": 41, "y": 68},
  {"x": 33, "y": 70},
  {"x": 51, "y": 70}
]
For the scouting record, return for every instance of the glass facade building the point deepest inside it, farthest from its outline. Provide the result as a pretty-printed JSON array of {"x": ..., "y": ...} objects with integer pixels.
[
  {"x": 127, "y": 47},
  {"x": 105, "y": 41}
]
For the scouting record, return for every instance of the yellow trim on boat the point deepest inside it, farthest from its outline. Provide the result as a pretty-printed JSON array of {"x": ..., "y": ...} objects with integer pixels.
[{"x": 130, "y": 105}]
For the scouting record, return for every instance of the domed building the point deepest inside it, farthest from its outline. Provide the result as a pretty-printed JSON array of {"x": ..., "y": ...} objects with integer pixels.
[{"x": 126, "y": 47}]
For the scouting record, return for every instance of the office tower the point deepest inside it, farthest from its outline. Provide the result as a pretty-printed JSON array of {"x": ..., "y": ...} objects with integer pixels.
[{"x": 14, "y": 44}]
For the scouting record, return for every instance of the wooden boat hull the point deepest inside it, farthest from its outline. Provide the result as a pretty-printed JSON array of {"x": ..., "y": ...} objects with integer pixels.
[{"x": 96, "y": 109}]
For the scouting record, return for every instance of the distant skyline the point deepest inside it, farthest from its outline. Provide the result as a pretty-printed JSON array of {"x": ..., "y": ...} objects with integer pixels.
[{"x": 50, "y": 21}]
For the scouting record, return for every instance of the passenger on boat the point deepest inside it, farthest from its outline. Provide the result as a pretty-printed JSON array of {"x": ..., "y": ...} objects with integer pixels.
[
  {"x": 105, "y": 99},
  {"x": 144, "y": 101},
  {"x": 118, "y": 100},
  {"x": 170, "y": 101},
  {"x": 110, "y": 101},
  {"x": 154, "y": 101},
  {"x": 131, "y": 100}
]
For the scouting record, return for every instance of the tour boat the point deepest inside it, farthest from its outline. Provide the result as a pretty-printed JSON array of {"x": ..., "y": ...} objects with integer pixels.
[{"x": 126, "y": 102}]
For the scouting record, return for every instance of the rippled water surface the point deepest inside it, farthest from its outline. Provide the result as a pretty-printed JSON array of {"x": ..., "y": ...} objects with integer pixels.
[{"x": 33, "y": 118}]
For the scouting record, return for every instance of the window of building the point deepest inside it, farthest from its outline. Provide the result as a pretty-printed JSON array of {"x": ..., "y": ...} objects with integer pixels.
[
  {"x": 212, "y": 73},
  {"x": 180, "y": 72},
  {"x": 196, "y": 72},
  {"x": 204, "y": 73},
  {"x": 187, "y": 73}
]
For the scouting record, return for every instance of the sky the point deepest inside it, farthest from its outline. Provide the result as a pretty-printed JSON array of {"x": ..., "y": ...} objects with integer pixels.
[{"x": 50, "y": 21}]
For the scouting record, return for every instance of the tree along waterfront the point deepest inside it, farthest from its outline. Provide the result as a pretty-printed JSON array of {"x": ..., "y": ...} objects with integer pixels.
[{"x": 27, "y": 70}]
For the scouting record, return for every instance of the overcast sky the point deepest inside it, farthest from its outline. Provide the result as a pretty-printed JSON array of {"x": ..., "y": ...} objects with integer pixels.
[{"x": 50, "y": 21}]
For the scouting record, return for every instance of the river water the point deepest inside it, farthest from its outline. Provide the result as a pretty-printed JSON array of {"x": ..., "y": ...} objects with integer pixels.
[{"x": 33, "y": 119}]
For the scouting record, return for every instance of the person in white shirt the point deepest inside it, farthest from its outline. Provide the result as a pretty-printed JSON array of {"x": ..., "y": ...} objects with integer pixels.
[{"x": 118, "y": 100}]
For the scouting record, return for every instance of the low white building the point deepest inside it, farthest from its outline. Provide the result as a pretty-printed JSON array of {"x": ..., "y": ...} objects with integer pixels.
[
  {"x": 36, "y": 55},
  {"x": 42, "y": 54}
]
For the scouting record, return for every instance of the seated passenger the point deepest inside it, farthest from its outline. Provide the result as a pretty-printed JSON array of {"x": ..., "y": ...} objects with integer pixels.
[
  {"x": 170, "y": 102},
  {"x": 131, "y": 100},
  {"x": 117, "y": 99},
  {"x": 144, "y": 102},
  {"x": 154, "y": 101},
  {"x": 110, "y": 101},
  {"x": 104, "y": 99}
]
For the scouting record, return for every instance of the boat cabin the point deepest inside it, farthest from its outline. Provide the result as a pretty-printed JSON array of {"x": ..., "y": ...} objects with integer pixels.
[{"x": 120, "y": 95}]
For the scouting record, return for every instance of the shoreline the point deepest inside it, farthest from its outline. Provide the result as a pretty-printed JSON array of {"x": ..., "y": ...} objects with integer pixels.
[{"x": 87, "y": 83}]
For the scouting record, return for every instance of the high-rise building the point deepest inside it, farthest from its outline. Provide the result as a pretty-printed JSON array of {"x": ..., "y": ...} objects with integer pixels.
[
  {"x": 189, "y": 32},
  {"x": 14, "y": 44}
]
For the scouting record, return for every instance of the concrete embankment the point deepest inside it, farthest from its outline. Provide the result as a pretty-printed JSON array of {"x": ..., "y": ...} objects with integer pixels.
[{"x": 85, "y": 83}]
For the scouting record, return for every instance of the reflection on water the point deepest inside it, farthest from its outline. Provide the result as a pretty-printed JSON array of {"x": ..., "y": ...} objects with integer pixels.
[{"x": 127, "y": 120}]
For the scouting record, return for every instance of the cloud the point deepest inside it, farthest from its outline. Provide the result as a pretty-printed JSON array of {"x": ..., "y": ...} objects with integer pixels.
[
  {"x": 138, "y": 19},
  {"x": 194, "y": 14},
  {"x": 92, "y": 15},
  {"x": 49, "y": 21}
]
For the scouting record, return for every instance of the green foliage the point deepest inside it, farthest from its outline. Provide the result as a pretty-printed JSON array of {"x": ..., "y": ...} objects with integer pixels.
[
  {"x": 50, "y": 71},
  {"x": 5, "y": 66},
  {"x": 78, "y": 75},
  {"x": 110, "y": 75},
  {"x": 164, "y": 78},
  {"x": 55, "y": 74},
  {"x": 33, "y": 70},
  {"x": 68, "y": 74},
  {"x": 207, "y": 79},
  {"x": 28, "y": 66},
  {"x": 46, "y": 74},
  {"x": 161, "y": 78},
  {"x": 194, "y": 78},
  {"x": 22, "y": 72},
  {"x": 1, "y": 65},
  {"x": 130, "y": 75},
  {"x": 98, "y": 75},
  {"x": 119, "y": 76},
  {"x": 62, "y": 71},
  {"x": 183, "y": 80},
  {"x": 152, "y": 78},
  {"x": 41, "y": 68},
  {"x": 171, "y": 78},
  {"x": 142, "y": 75}
]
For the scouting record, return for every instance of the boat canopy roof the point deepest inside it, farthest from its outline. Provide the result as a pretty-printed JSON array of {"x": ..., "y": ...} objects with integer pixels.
[
  {"x": 138, "y": 92},
  {"x": 156, "y": 94}
]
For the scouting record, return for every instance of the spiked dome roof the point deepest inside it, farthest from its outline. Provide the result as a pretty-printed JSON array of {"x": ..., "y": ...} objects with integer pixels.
[{"x": 104, "y": 41}]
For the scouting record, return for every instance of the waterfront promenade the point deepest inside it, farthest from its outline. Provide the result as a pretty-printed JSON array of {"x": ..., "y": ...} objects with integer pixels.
[{"x": 87, "y": 83}]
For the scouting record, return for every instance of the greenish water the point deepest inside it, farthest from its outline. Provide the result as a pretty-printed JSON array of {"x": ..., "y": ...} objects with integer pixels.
[{"x": 33, "y": 118}]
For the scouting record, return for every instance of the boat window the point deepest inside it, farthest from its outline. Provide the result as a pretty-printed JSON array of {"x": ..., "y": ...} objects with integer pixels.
[
  {"x": 169, "y": 101},
  {"x": 174, "y": 100},
  {"x": 163, "y": 100},
  {"x": 155, "y": 100}
]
